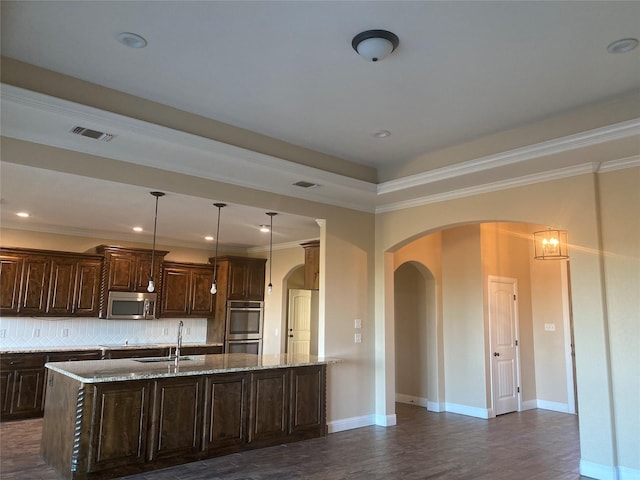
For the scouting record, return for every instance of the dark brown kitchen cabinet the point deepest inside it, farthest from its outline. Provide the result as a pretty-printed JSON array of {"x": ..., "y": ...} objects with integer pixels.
[
  {"x": 176, "y": 419},
  {"x": 311, "y": 264},
  {"x": 22, "y": 385},
  {"x": 308, "y": 401},
  {"x": 120, "y": 425},
  {"x": 239, "y": 278},
  {"x": 128, "y": 269},
  {"x": 200, "y": 349},
  {"x": 75, "y": 286},
  {"x": 186, "y": 290},
  {"x": 226, "y": 411},
  {"x": 49, "y": 283},
  {"x": 269, "y": 417},
  {"x": 10, "y": 275},
  {"x": 135, "y": 352}
]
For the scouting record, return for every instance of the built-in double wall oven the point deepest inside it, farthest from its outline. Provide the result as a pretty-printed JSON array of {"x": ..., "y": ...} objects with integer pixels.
[{"x": 243, "y": 326}]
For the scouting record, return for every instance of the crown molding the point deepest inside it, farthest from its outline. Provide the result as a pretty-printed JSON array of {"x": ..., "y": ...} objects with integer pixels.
[
  {"x": 620, "y": 164},
  {"x": 491, "y": 187},
  {"x": 518, "y": 155}
]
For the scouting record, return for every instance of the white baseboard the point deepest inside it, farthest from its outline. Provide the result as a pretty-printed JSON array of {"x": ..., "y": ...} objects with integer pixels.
[
  {"x": 351, "y": 423},
  {"x": 467, "y": 410},
  {"x": 386, "y": 420},
  {"x": 599, "y": 472},
  {"x": 625, "y": 473},
  {"x": 554, "y": 406},
  {"x": 411, "y": 400},
  {"x": 529, "y": 405},
  {"x": 435, "y": 407}
]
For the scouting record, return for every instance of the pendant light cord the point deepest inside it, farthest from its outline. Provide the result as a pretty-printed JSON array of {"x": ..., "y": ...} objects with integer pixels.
[
  {"x": 155, "y": 225},
  {"x": 270, "y": 248},
  {"x": 215, "y": 259}
]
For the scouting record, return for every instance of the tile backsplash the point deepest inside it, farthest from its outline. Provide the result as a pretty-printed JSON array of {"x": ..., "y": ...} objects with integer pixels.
[{"x": 35, "y": 332}]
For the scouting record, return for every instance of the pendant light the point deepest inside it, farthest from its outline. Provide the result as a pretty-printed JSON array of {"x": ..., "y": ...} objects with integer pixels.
[
  {"x": 151, "y": 287},
  {"x": 214, "y": 285},
  {"x": 550, "y": 244},
  {"x": 270, "y": 286}
]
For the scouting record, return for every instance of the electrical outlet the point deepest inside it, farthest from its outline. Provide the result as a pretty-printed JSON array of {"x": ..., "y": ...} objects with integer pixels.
[
  {"x": 36, "y": 332},
  {"x": 3, "y": 333},
  {"x": 165, "y": 331},
  {"x": 357, "y": 338},
  {"x": 188, "y": 331},
  {"x": 549, "y": 327},
  {"x": 357, "y": 323},
  {"x": 65, "y": 332}
]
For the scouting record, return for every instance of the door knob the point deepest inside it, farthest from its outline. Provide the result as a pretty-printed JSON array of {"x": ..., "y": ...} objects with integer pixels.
[{"x": 496, "y": 354}]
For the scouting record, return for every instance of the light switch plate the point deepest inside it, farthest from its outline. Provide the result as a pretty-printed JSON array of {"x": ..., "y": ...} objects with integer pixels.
[
  {"x": 357, "y": 323},
  {"x": 549, "y": 327}
]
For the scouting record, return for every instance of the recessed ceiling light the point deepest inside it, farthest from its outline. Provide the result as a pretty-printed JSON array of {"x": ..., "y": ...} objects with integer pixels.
[
  {"x": 264, "y": 228},
  {"x": 132, "y": 40},
  {"x": 382, "y": 134},
  {"x": 305, "y": 184},
  {"x": 623, "y": 45},
  {"x": 209, "y": 238},
  {"x": 22, "y": 214},
  {"x": 137, "y": 229}
]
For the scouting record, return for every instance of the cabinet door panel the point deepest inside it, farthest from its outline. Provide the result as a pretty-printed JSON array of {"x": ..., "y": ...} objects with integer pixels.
[
  {"x": 226, "y": 411},
  {"x": 34, "y": 286},
  {"x": 119, "y": 431},
  {"x": 270, "y": 405},
  {"x": 87, "y": 288},
  {"x": 201, "y": 298},
  {"x": 121, "y": 272},
  {"x": 10, "y": 276},
  {"x": 308, "y": 399},
  {"x": 237, "y": 280},
  {"x": 143, "y": 271},
  {"x": 63, "y": 277},
  {"x": 255, "y": 280},
  {"x": 175, "y": 298},
  {"x": 27, "y": 385},
  {"x": 177, "y": 417}
]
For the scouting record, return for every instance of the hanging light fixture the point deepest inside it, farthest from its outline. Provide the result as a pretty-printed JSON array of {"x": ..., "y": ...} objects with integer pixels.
[
  {"x": 374, "y": 45},
  {"x": 550, "y": 245},
  {"x": 214, "y": 285},
  {"x": 151, "y": 287},
  {"x": 270, "y": 286}
]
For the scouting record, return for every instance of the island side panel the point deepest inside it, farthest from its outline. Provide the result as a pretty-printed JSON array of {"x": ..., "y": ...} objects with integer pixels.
[
  {"x": 308, "y": 402},
  {"x": 64, "y": 399}
]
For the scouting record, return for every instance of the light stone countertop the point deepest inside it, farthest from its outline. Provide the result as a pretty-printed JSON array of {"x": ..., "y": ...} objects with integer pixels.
[{"x": 97, "y": 371}]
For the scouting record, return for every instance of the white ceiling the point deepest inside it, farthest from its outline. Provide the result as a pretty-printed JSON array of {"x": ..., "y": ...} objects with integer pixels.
[{"x": 287, "y": 70}]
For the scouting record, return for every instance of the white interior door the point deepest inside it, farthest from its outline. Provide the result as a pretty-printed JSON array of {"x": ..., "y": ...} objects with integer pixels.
[
  {"x": 503, "y": 326},
  {"x": 299, "y": 321}
]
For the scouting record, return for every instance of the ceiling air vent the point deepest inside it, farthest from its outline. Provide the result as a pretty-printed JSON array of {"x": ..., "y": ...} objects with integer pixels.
[
  {"x": 304, "y": 184},
  {"x": 87, "y": 132}
]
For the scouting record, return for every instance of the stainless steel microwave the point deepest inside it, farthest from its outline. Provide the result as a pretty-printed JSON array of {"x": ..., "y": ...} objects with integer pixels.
[{"x": 132, "y": 305}]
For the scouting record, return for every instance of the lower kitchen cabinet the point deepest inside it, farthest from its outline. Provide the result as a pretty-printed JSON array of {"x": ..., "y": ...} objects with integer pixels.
[
  {"x": 269, "y": 419},
  {"x": 176, "y": 417},
  {"x": 226, "y": 411},
  {"x": 22, "y": 385},
  {"x": 118, "y": 435},
  {"x": 111, "y": 429},
  {"x": 114, "y": 353}
]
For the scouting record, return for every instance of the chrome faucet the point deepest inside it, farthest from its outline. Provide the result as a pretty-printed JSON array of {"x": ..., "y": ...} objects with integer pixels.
[{"x": 179, "y": 342}]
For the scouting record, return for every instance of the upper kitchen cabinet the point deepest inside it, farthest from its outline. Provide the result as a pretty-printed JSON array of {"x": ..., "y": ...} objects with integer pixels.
[
  {"x": 311, "y": 264},
  {"x": 186, "y": 290},
  {"x": 244, "y": 279},
  {"x": 128, "y": 269},
  {"x": 40, "y": 282}
]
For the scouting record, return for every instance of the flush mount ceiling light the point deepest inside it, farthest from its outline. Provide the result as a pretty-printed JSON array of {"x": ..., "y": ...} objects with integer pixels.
[
  {"x": 550, "y": 245},
  {"x": 623, "y": 45},
  {"x": 374, "y": 45},
  {"x": 382, "y": 134},
  {"x": 131, "y": 40}
]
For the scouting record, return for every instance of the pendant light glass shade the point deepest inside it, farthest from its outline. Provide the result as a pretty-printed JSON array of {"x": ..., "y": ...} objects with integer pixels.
[
  {"x": 550, "y": 245},
  {"x": 214, "y": 284},
  {"x": 270, "y": 286},
  {"x": 151, "y": 286}
]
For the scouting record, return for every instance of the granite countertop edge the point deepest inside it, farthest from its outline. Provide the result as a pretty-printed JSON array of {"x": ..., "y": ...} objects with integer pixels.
[{"x": 100, "y": 371}]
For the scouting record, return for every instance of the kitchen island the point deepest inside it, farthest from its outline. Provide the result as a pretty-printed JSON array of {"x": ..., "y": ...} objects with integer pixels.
[{"x": 110, "y": 418}]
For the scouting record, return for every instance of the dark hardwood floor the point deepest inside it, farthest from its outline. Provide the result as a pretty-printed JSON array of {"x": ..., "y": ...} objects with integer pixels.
[{"x": 532, "y": 445}]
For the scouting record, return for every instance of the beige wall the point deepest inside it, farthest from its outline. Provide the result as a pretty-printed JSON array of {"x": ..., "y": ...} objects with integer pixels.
[
  {"x": 620, "y": 211},
  {"x": 570, "y": 204}
]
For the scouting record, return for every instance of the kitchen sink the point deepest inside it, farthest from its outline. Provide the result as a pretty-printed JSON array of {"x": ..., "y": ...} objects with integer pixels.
[{"x": 161, "y": 359}]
